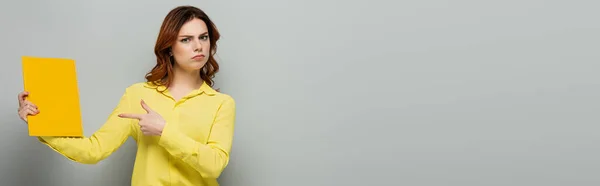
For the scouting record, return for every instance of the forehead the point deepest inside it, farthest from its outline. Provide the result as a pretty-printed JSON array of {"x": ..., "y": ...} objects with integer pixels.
[{"x": 193, "y": 27}]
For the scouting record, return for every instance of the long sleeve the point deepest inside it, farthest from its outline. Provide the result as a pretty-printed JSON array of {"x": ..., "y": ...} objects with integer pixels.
[
  {"x": 102, "y": 143},
  {"x": 210, "y": 158}
]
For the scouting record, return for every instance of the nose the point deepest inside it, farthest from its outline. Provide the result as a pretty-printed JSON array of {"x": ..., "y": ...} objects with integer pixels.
[{"x": 198, "y": 45}]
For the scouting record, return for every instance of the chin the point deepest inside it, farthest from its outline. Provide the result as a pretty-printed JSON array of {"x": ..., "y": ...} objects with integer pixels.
[{"x": 196, "y": 65}]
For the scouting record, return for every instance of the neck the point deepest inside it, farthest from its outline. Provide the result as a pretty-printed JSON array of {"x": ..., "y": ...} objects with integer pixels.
[{"x": 186, "y": 79}]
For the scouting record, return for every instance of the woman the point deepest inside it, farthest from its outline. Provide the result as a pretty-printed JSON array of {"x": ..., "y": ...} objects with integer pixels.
[{"x": 182, "y": 126}]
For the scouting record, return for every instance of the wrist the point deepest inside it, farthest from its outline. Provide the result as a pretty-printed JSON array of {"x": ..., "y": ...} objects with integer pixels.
[{"x": 161, "y": 128}]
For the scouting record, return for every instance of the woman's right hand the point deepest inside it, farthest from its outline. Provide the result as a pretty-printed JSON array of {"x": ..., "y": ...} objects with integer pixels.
[{"x": 26, "y": 107}]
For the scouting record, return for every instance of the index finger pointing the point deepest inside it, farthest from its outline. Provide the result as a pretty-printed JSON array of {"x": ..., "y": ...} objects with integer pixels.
[{"x": 132, "y": 116}]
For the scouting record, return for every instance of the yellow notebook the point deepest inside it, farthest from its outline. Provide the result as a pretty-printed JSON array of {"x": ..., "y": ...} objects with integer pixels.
[{"x": 52, "y": 86}]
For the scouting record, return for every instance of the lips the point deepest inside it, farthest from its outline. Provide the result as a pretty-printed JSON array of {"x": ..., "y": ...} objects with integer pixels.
[{"x": 198, "y": 57}]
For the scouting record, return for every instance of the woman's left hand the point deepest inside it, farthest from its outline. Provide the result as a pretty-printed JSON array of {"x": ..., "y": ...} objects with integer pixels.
[{"x": 150, "y": 123}]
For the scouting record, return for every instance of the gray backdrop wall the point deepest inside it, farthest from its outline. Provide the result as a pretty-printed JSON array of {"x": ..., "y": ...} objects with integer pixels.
[{"x": 416, "y": 93}]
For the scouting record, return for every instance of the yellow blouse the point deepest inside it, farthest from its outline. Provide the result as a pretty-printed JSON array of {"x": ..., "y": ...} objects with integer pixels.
[{"x": 192, "y": 150}]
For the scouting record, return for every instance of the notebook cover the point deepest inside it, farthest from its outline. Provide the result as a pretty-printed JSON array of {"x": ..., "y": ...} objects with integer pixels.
[{"x": 52, "y": 86}]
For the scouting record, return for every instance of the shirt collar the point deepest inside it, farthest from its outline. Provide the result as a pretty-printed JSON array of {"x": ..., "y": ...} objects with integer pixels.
[{"x": 204, "y": 88}]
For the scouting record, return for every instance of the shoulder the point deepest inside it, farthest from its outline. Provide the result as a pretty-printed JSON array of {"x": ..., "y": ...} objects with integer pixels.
[
  {"x": 216, "y": 94},
  {"x": 139, "y": 86},
  {"x": 226, "y": 103},
  {"x": 137, "y": 89},
  {"x": 224, "y": 98}
]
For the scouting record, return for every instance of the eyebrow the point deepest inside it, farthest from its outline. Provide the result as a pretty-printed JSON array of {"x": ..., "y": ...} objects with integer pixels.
[{"x": 192, "y": 35}]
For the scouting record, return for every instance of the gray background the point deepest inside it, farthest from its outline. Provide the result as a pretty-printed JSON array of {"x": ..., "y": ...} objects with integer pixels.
[{"x": 433, "y": 92}]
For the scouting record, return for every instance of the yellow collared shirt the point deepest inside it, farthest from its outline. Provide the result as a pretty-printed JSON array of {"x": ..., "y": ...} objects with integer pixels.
[{"x": 194, "y": 146}]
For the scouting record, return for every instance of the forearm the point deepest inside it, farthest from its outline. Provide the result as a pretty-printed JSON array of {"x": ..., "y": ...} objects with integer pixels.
[
  {"x": 82, "y": 150},
  {"x": 91, "y": 150},
  {"x": 208, "y": 159}
]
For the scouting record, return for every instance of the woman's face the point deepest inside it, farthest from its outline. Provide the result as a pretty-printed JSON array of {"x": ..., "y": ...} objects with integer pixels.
[{"x": 192, "y": 46}]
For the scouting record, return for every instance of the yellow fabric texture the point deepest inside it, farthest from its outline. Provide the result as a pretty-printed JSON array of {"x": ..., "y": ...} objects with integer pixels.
[{"x": 194, "y": 146}]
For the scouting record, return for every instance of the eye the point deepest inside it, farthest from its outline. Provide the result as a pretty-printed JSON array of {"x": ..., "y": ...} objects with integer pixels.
[
  {"x": 204, "y": 37},
  {"x": 185, "y": 40}
]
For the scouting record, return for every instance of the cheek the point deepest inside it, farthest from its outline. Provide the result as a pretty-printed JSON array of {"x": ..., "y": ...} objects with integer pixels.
[
  {"x": 206, "y": 46},
  {"x": 180, "y": 52},
  {"x": 179, "y": 49}
]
